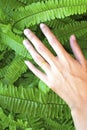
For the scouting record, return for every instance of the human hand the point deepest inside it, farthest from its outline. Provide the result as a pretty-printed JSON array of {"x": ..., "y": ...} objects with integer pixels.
[{"x": 65, "y": 75}]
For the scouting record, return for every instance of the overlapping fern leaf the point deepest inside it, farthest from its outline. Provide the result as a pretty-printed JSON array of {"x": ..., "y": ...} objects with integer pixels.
[
  {"x": 47, "y": 11},
  {"x": 14, "y": 71},
  {"x": 59, "y": 124},
  {"x": 7, "y": 121},
  {"x": 76, "y": 28},
  {"x": 13, "y": 41},
  {"x": 27, "y": 2},
  {"x": 7, "y": 7},
  {"x": 32, "y": 102},
  {"x": 62, "y": 33}
]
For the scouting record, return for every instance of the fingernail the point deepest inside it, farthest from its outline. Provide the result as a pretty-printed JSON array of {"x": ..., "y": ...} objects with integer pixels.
[
  {"x": 27, "y": 31},
  {"x": 42, "y": 25},
  {"x": 26, "y": 62},
  {"x": 73, "y": 37},
  {"x": 24, "y": 41}
]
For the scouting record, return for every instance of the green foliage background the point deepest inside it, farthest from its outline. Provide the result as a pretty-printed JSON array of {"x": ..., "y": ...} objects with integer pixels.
[{"x": 26, "y": 103}]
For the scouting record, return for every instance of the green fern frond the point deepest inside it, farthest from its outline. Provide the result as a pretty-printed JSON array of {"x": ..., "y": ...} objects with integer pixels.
[
  {"x": 2, "y": 72},
  {"x": 2, "y": 46},
  {"x": 14, "y": 71},
  {"x": 83, "y": 44},
  {"x": 58, "y": 125},
  {"x": 2, "y": 16},
  {"x": 35, "y": 122},
  {"x": 32, "y": 102},
  {"x": 10, "y": 122},
  {"x": 63, "y": 33},
  {"x": 56, "y": 23},
  {"x": 85, "y": 52},
  {"x": 7, "y": 57},
  {"x": 13, "y": 41},
  {"x": 1, "y": 55},
  {"x": 47, "y": 11},
  {"x": 77, "y": 28},
  {"x": 83, "y": 41},
  {"x": 7, "y": 7},
  {"x": 27, "y": 2},
  {"x": 27, "y": 80}
]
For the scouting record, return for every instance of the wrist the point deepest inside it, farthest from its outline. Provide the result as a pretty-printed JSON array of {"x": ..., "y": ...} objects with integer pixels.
[
  {"x": 79, "y": 103},
  {"x": 79, "y": 111},
  {"x": 82, "y": 108},
  {"x": 79, "y": 116}
]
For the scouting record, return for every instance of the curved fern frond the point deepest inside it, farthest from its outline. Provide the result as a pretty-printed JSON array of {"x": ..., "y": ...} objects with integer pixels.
[
  {"x": 58, "y": 23},
  {"x": 58, "y": 125},
  {"x": 32, "y": 102},
  {"x": 47, "y": 11},
  {"x": 2, "y": 15},
  {"x": 14, "y": 71},
  {"x": 8, "y": 6},
  {"x": 83, "y": 44},
  {"x": 7, "y": 58},
  {"x": 2, "y": 72},
  {"x": 64, "y": 32},
  {"x": 27, "y": 2},
  {"x": 10, "y": 122},
  {"x": 27, "y": 80},
  {"x": 2, "y": 46},
  {"x": 13, "y": 41},
  {"x": 85, "y": 52},
  {"x": 83, "y": 41},
  {"x": 36, "y": 123},
  {"x": 52, "y": 24},
  {"x": 1, "y": 55},
  {"x": 77, "y": 28}
]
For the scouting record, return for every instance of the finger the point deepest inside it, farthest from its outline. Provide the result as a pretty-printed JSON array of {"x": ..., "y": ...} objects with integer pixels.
[
  {"x": 37, "y": 72},
  {"x": 37, "y": 58},
  {"x": 53, "y": 41},
  {"x": 77, "y": 50},
  {"x": 45, "y": 53}
]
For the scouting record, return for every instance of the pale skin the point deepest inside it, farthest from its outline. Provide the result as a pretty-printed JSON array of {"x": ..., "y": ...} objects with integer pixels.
[{"x": 65, "y": 75}]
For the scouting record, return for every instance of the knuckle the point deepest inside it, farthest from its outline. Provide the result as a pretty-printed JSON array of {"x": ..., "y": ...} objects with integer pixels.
[
  {"x": 36, "y": 58},
  {"x": 30, "y": 47},
  {"x": 44, "y": 28},
  {"x": 54, "y": 41},
  {"x": 40, "y": 48},
  {"x": 31, "y": 36},
  {"x": 85, "y": 66}
]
